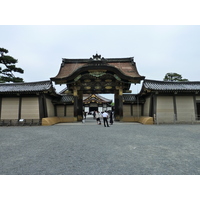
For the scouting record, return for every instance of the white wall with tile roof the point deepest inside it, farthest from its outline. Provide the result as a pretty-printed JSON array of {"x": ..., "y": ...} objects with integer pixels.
[
  {"x": 165, "y": 109},
  {"x": 185, "y": 108},
  {"x": 30, "y": 108},
  {"x": 10, "y": 108}
]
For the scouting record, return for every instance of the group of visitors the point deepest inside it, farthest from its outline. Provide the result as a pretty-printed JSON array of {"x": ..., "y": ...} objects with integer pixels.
[{"x": 105, "y": 116}]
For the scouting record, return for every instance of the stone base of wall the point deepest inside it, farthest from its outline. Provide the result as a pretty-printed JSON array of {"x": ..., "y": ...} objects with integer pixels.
[
  {"x": 55, "y": 120},
  {"x": 142, "y": 119}
]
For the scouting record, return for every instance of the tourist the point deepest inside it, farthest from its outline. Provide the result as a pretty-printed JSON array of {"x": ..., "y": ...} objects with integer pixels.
[
  {"x": 111, "y": 117},
  {"x": 105, "y": 118},
  {"x": 98, "y": 117}
]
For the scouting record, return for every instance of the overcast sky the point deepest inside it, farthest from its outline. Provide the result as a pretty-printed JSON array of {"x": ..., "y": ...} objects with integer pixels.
[{"x": 157, "y": 49}]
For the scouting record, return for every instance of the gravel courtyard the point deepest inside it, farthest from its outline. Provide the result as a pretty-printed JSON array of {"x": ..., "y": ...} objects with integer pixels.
[{"x": 90, "y": 149}]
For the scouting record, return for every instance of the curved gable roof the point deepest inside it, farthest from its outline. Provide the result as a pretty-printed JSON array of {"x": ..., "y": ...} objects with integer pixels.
[{"x": 124, "y": 66}]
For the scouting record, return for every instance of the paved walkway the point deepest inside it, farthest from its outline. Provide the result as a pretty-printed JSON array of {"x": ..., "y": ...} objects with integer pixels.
[
  {"x": 91, "y": 121},
  {"x": 87, "y": 148}
]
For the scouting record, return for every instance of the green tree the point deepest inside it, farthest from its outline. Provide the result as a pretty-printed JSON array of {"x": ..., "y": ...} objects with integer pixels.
[
  {"x": 174, "y": 77},
  {"x": 7, "y": 73}
]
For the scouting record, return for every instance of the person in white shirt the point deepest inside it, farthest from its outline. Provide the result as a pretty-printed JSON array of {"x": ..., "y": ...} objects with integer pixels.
[{"x": 105, "y": 118}]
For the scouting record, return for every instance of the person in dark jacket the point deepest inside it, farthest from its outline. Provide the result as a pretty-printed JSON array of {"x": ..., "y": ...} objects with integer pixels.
[{"x": 111, "y": 117}]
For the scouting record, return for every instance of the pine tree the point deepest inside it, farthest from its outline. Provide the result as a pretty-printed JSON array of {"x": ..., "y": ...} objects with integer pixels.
[
  {"x": 7, "y": 73},
  {"x": 174, "y": 77}
]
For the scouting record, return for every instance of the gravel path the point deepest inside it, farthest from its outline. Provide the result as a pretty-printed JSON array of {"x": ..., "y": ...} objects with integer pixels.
[{"x": 90, "y": 149}]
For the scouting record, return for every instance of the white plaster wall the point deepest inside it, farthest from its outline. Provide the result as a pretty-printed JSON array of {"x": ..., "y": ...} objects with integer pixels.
[
  {"x": 50, "y": 108},
  {"x": 126, "y": 110},
  {"x": 60, "y": 110},
  {"x": 165, "y": 109},
  {"x": 30, "y": 108},
  {"x": 70, "y": 110},
  {"x": 10, "y": 108},
  {"x": 185, "y": 108},
  {"x": 137, "y": 110},
  {"x": 198, "y": 98},
  {"x": 146, "y": 106}
]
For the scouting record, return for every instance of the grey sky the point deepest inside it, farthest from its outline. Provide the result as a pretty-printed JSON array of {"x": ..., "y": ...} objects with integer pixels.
[{"x": 157, "y": 50}]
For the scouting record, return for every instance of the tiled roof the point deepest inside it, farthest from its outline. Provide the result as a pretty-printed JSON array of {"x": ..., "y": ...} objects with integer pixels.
[
  {"x": 66, "y": 98},
  {"x": 171, "y": 85},
  {"x": 25, "y": 87},
  {"x": 129, "y": 97},
  {"x": 132, "y": 98},
  {"x": 126, "y": 66},
  {"x": 62, "y": 99},
  {"x": 103, "y": 98}
]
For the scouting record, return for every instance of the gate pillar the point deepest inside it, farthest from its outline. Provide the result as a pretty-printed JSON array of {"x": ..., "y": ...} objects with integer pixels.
[
  {"x": 78, "y": 104},
  {"x": 75, "y": 94},
  {"x": 118, "y": 104}
]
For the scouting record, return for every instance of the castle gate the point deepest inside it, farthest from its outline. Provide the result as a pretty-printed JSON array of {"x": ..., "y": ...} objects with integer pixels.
[{"x": 98, "y": 75}]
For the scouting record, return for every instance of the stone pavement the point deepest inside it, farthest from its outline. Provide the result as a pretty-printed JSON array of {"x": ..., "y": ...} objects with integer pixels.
[{"x": 91, "y": 149}]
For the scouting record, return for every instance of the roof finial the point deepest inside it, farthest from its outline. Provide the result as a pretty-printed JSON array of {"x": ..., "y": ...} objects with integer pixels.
[{"x": 96, "y": 57}]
